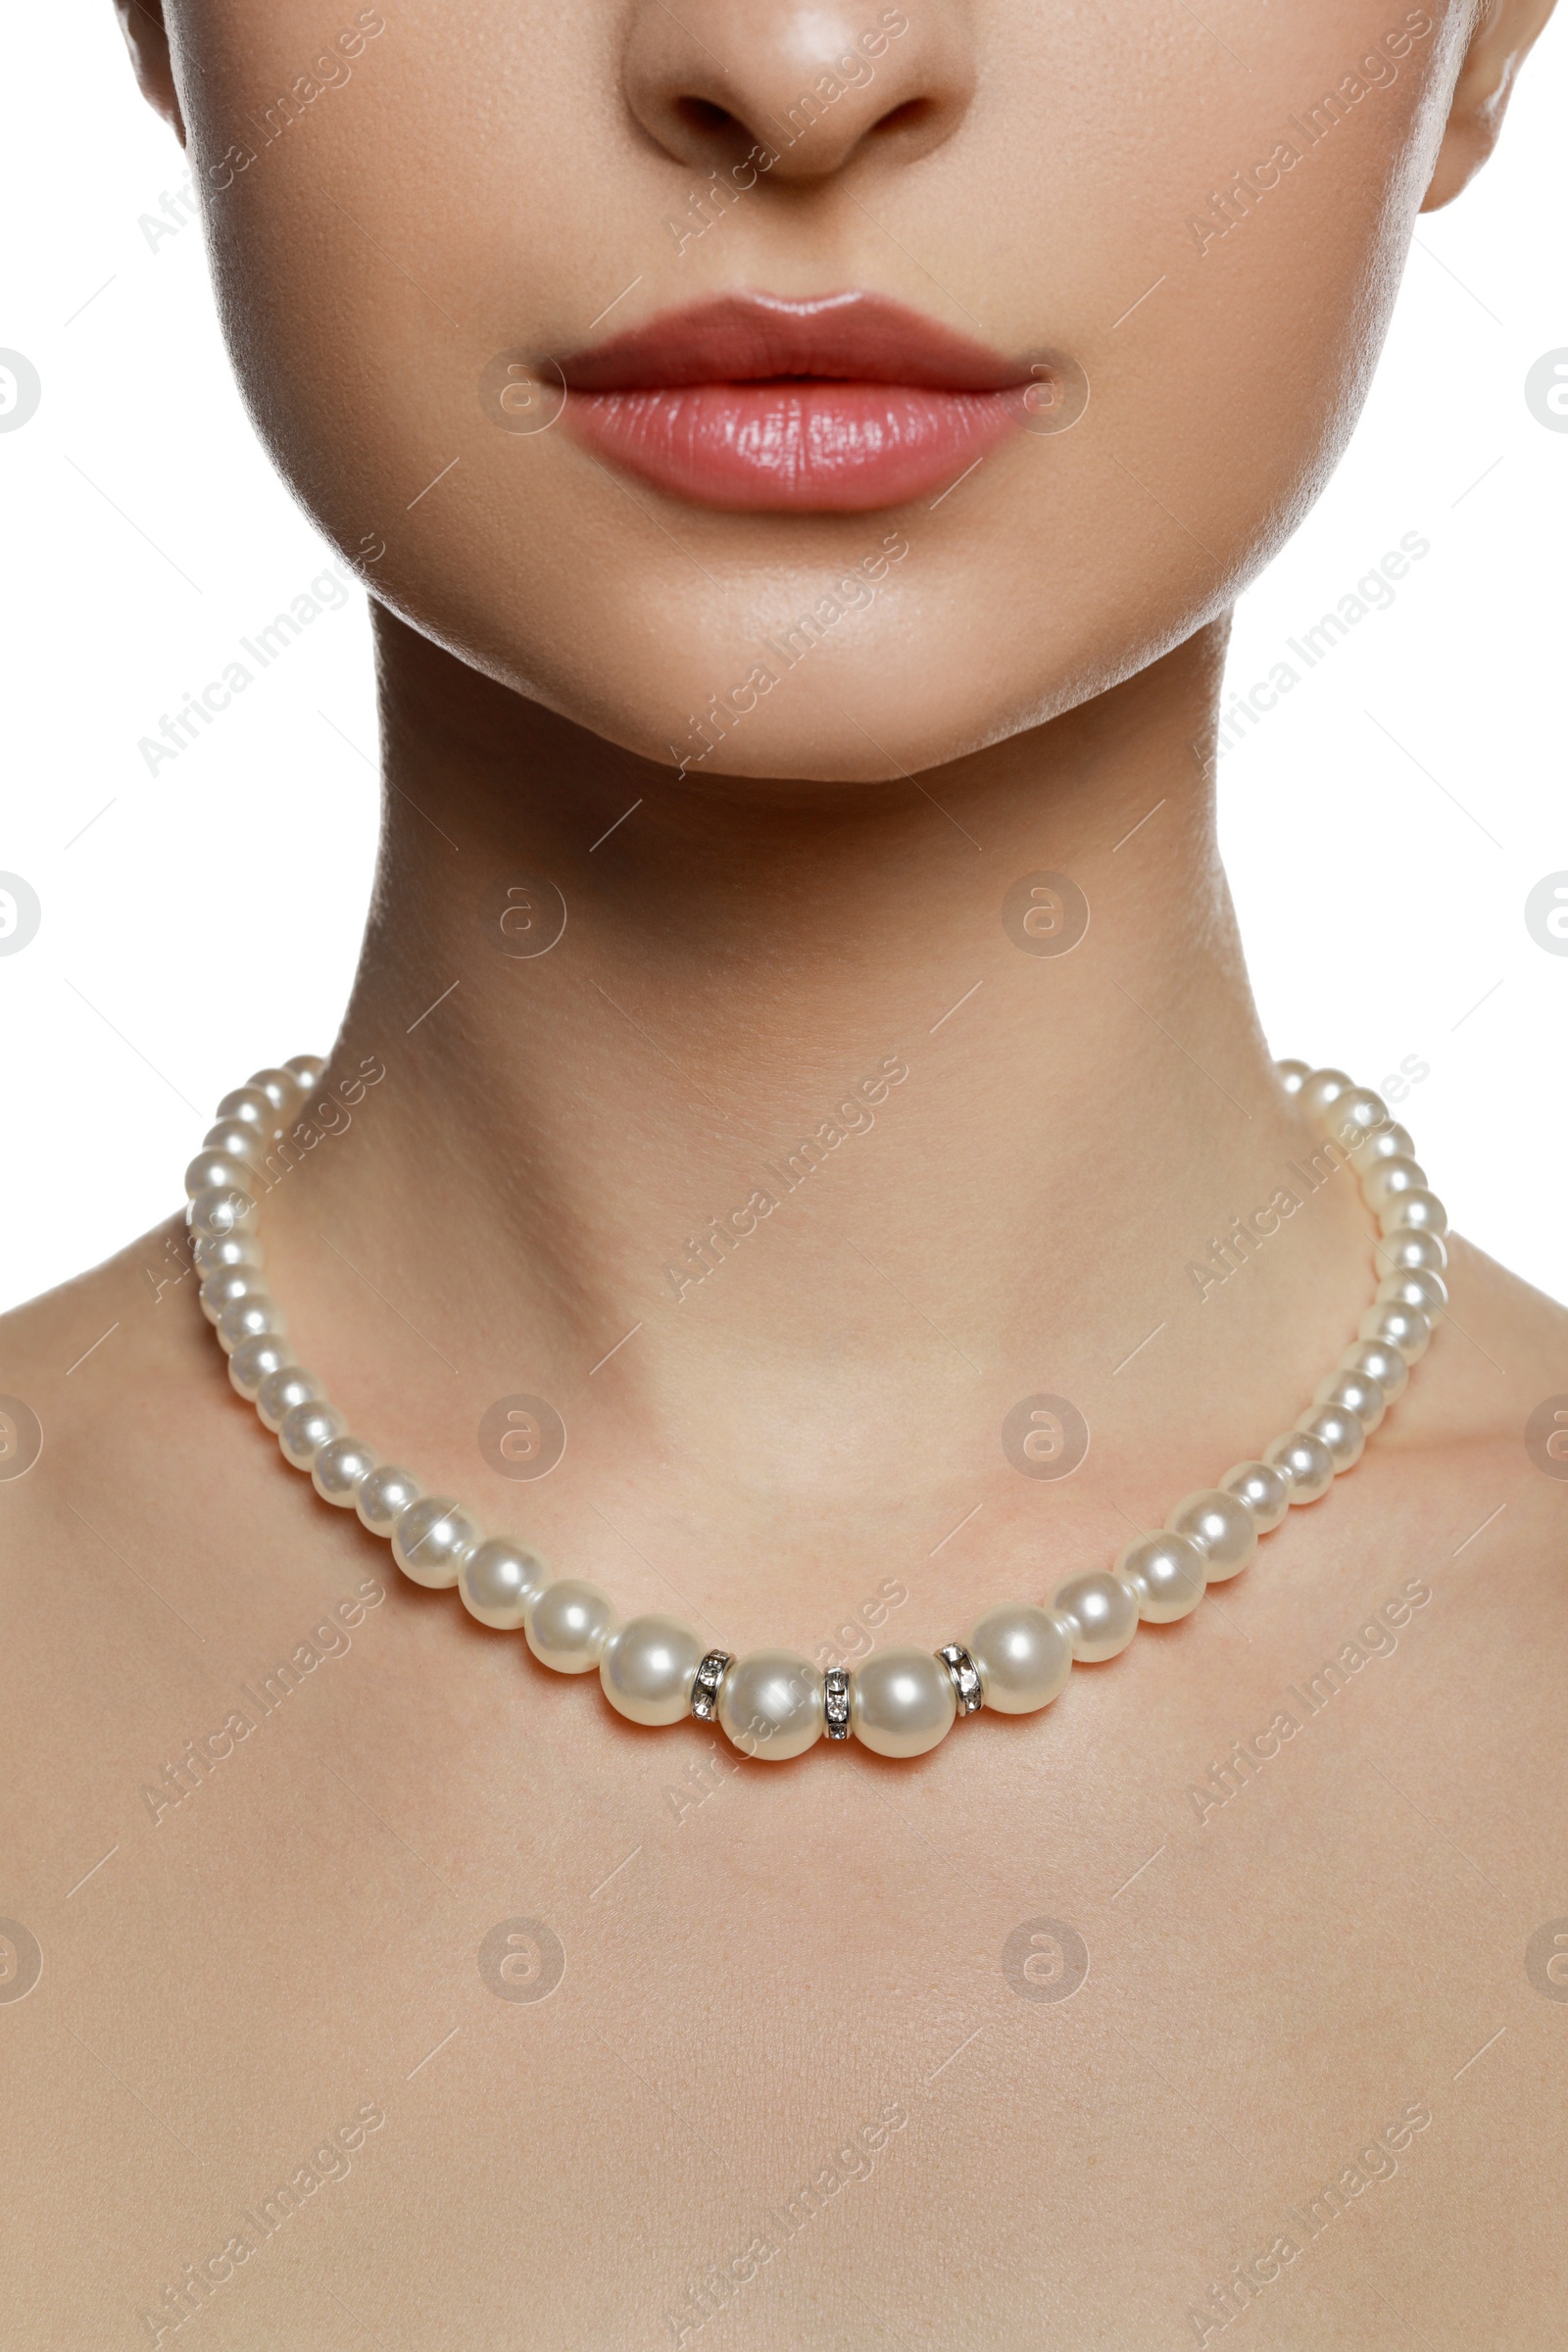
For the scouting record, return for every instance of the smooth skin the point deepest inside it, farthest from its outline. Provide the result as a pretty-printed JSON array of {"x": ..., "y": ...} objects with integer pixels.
[{"x": 797, "y": 2084}]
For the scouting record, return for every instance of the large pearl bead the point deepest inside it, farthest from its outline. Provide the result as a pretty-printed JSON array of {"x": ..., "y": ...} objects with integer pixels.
[
  {"x": 1266, "y": 1493},
  {"x": 1167, "y": 1572},
  {"x": 1305, "y": 1462},
  {"x": 216, "y": 1172},
  {"x": 901, "y": 1702},
  {"x": 1390, "y": 1177},
  {"x": 1352, "y": 1392},
  {"x": 307, "y": 1429},
  {"x": 498, "y": 1579},
  {"x": 1022, "y": 1655},
  {"x": 224, "y": 1289},
  {"x": 1411, "y": 1250},
  {"x": 647, "y": 1668},
  {"x": 236, "y": 1140},
  {"x": 257, "y": 1316},
  {"x": 1101, "y": 1614},
  {"x": 1222, "y": 1528},
  {"x": 1340, "y": 1432},
  {"x": 1387, "y": 1143},
  {"x": 280, "y": 1392},
  {"x": 1427, "y": 1293},
  {"x": 384, "y": 1496},
  {"x": 1292, "y": 1075},
  {"x": 1355, "y": 1115},
  {"x": 1320, "y": 1092},
  {"x": 1414, "y": 1211},
  {"x": 250, "y": 1109},
  {"x": 430, "y": 1540},
  {"x": 567, "y": 1625},
  {"x": 306, "y": 1069},
  {"x": 340, "y": 1469},
  {"x": 229, "y": 1254},
  {"x": 1388, "y": 1326},
  {"x": 1386, "y": 1365},
  {"x": 772, "y": 1705},
  {"x": 281, "y": 1088},
  {"x": 255, "y": 1361},
  {"x": 223, "y": 1209}
]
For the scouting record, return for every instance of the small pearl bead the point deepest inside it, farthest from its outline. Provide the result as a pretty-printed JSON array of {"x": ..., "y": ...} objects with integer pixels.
[
  {"x": 1022, "y": 1655},
  {"x": 340, "y": 1469},
  {"x": 772, "y": 1705},
  {"x": 1386, "y": 1365},
  {"x": 1101, "y": 1614},
  {"x": 430, "y": 1540},
  {"x": 1223, "y": 1529},
  {"x": 223, "y": 1290},
  {"x": 567, "y": 1625},
  {"x": 1340, "y": 1432},
  {"x": 222, "y": 1209},
  {"x": 280, "y": 1392},
  {"x": 307, "y": 1429},
  {"x": 384, "y": 1498},
  {"x": 1321, "y": 1091},
  {"x": 250, "y": 1109},
  {"x": 255, "y": 1360},
  {"x": 255, "y": 1317},
  {"x": 646, "y": 1667},
  {"x": 281, "y": 1088},
  {"x": 1414, "y": 1212},
  {"x": 1292, "y": 1075},
  {"x": 306, "y": 1070},
  {"x": 235, "y": 1141},
  {"x": 901, "y": 1702},
  {"x": 1428, "y": 1292},
  {"x": 1266, "y": 1493},
  {"x": 1355, "y": 1115},
  {"x": 1390, "y": 1178},
  {"x": 1403, "y": 1327},
  {"x": 1305, "y": 1462},
  {"x": 1412, "y": 1251},
  {"x": 1168, "y": 1573},
  {"x": 1353, "y": 1392},
  {"x": 216, "y": 1172},
  {"x": 498, "y": 1579},
  {"x": 1389, "y": 1143},
  {"x": 232, "y": 1250}
]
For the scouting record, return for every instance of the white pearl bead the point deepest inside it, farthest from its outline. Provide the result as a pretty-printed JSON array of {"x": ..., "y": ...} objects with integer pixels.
[
  {"x": 223, "y": 1290},
  {"x": 1390, "y": 1178},
  {"x": 567, "y": 1625},
  {"x": 1167, "y": 1572},
  {"x": 307, "y": 1429},
  {"x": 281, "y": 1088},
  {"x": 252, "y": 1108},
  {"x": 216, "y": 1172},
  {"x": 1428, "y": 1292},
  {"x": 1339, "y": 1432},
  {"x": 1355, "y": 1115},
  {"x": 255, "y": 1361},
  {"x": 230, "y": 1251},
  {"x": 340, "y": 1469},
  {"x": 772, "y": 1705},
  {"x": 1292, "y": 1075},
  {"x": 235, "y": 1141},
  {"x": 280, "y": 1392},
  {"x": 255, "y": 1317},
  {"x": 1266, "y": 1493},
  {"x": 1412, "y": 1251},
  {"x": 384, "y": 1498},
  {"x": 1414, "y": 1212},
  {"x": 1321, "y": 1091},
  {"x": 306, "y": 1070},
  {"x": 647, "y": 1668},
  {"x": 222, "y": 1209},
  {"x": 430, "y": 1540},
  {"x": 1223, "y": 1529},
  {"x": 1305, "y": 1462},
  {"x": 901, "y": 1702},
  {"x": 1386, "y": 1365},
  {"x": 498, "y": 1579},
  {"x": 1022, "y": 1655},
  {"x": 1101, "y": 1614},
  {"x": 1353, "y": 1392},
  {"x": 1403, "y": 1327},
  {"x": 1389, "y": 1143}
]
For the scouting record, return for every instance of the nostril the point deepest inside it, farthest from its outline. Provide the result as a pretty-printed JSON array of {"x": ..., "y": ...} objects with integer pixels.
[
  {"x": 913, "y": 114},
  {"x": 708, "y": 121}
]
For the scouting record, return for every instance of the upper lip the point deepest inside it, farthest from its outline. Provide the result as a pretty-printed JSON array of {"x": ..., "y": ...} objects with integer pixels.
[{"x": 853, "y": 337}]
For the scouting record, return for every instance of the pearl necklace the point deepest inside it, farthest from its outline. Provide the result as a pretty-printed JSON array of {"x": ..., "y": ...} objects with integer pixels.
[{"x": 773, "y": 1704}]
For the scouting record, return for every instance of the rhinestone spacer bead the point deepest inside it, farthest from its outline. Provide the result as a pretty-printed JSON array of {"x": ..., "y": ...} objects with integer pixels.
[
  {"x": 965, "y": 1677},
  {"x": 836, "y": 1684},
  {"x": 705, "y": 1685}
]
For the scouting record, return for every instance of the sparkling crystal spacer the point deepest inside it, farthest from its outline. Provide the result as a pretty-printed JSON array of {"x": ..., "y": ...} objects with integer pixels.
[
  {"x": 836, "y": 1684},
  {"x": 705, "y": 1685},
  {"x": 965, "y": 1677}
]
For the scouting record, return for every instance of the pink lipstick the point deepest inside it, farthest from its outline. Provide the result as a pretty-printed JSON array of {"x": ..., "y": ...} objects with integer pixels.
[{"x": 838, "y": 404}]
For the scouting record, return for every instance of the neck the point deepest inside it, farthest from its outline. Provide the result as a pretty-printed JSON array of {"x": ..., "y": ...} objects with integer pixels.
[{"x": 792, "y": 1102}]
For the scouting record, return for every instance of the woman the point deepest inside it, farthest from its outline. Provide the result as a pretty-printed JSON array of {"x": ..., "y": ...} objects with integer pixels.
[{"x": 801, "y": 1158}]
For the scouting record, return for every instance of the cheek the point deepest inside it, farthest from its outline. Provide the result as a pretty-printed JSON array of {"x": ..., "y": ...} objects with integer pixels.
[{"x": 471, "y": 191}]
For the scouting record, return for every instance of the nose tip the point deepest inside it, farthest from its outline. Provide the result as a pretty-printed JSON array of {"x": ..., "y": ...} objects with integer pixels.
[{"x": 813, "y": 88}]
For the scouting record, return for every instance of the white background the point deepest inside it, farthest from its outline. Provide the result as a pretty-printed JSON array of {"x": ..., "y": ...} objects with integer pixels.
[{"x": 203, "y": 922}]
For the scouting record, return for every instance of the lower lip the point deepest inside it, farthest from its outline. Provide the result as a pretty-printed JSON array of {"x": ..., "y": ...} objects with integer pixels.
[{"x": 794, "y": 447}]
